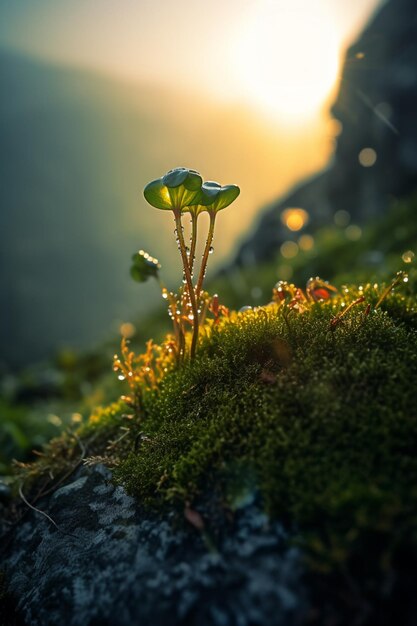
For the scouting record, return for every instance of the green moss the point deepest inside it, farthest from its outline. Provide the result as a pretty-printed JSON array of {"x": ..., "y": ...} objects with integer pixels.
[
  {"x": 308, "y": 409},
  {"x": 320, "y": 425}
]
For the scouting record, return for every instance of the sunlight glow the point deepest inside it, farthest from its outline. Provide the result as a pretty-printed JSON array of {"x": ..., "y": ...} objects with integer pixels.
[{"x": 286, "y": 58}]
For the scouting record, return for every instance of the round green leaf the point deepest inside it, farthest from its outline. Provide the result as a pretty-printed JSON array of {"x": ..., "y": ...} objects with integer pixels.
[
  {"x": 215, "y": 197},
  {"x": 177, "y": 189},
  {"x": 193, "y": 181},
  {"x": 182, "y": 197},
  {"x": 226, "y": 196},
  {"x": 175, "y": 177},
  {"x": 156, "y": 193},
  {"x": 210, "y": 190},
  {"x": 190, "y": 179}
]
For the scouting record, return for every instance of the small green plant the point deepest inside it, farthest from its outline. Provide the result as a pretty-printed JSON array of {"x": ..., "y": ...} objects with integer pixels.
[
  {"x": 183, "y": 192},
  {"x": 144, "y": 266}
]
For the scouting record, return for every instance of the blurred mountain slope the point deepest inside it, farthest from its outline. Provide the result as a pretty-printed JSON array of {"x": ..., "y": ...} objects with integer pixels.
[
  {"x": 55, "y": 260},
  {"x": 375, "y": 109},
  {"x": 76, "y": 150}
]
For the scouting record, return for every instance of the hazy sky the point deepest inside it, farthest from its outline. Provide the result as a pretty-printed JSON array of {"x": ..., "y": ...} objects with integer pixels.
[
  {"x": 195, "y": 43},
  {"x": 273, "y": 66}
]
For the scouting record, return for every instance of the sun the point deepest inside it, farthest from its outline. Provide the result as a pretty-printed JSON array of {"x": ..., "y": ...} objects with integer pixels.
[{"x": 286, "y": 58}]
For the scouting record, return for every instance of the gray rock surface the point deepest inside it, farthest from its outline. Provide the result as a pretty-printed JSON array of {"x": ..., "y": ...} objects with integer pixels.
[
  {"x": 110, "y": 563},
  {"x": 376, "y": 109}
]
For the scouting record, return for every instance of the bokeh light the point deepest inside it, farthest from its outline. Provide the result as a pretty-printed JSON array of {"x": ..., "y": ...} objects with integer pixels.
[
  {"x": 367, "y": 157},
  {"x": 341, "y": 218},
  {"x": 408, "y": 256},
  {"x": 353, "y": 232},
  {"x": 306, "y": 243},
  {"x": 289, "y": 249},
  {"x": 127, "y": 330},
  {"x": 294, "y": 218}
]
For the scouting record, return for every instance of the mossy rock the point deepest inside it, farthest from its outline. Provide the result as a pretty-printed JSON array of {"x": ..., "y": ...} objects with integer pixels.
[{"x": 316, "y": 420}]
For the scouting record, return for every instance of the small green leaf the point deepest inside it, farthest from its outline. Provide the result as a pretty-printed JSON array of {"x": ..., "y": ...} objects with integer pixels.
[
  {"x": 193, "y": 181},
  {"x": 175, "y": 177},
  {"x": 215, "y": 197},
  {"x": 210, "y": 190},
  {"x": 190, "y": 179},
  {"x": 156, "y": 193},
  {"x": 227, "y": 195},
  {"x": 144, "y": 266},
  {"x": 177, "y": 189}
]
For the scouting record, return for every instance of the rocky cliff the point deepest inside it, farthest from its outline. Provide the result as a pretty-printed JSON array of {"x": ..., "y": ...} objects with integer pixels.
[{"x": 375, "y": 158}]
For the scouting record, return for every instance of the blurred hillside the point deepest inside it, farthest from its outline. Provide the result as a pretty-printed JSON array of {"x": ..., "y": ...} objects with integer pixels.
[
  {"x": 375, "y": 160},
  {"x": 76, "y": 150}
]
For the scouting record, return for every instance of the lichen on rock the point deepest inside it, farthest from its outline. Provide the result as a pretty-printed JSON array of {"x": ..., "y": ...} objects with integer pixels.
[{"x": 112, "y": 563}]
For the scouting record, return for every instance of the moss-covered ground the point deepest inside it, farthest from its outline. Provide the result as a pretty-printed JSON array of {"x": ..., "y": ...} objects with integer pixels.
[
  {"x": 37, "y": 403},
  {"x": 317, "y": 421},
  {"x": 313, "y": 416}
]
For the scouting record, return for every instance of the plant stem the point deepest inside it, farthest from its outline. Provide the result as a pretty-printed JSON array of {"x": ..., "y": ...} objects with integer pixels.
[
  {"x": 178, "y": 332},
  {"x": 193, "y": 243},
  {"x": 191, "y": 258},
  {"x": 189, "y": 282},
  {"x": 205, "y": 255},
  {"x": 400, "y": 276},
  {"x": 181, "y": 344}
]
